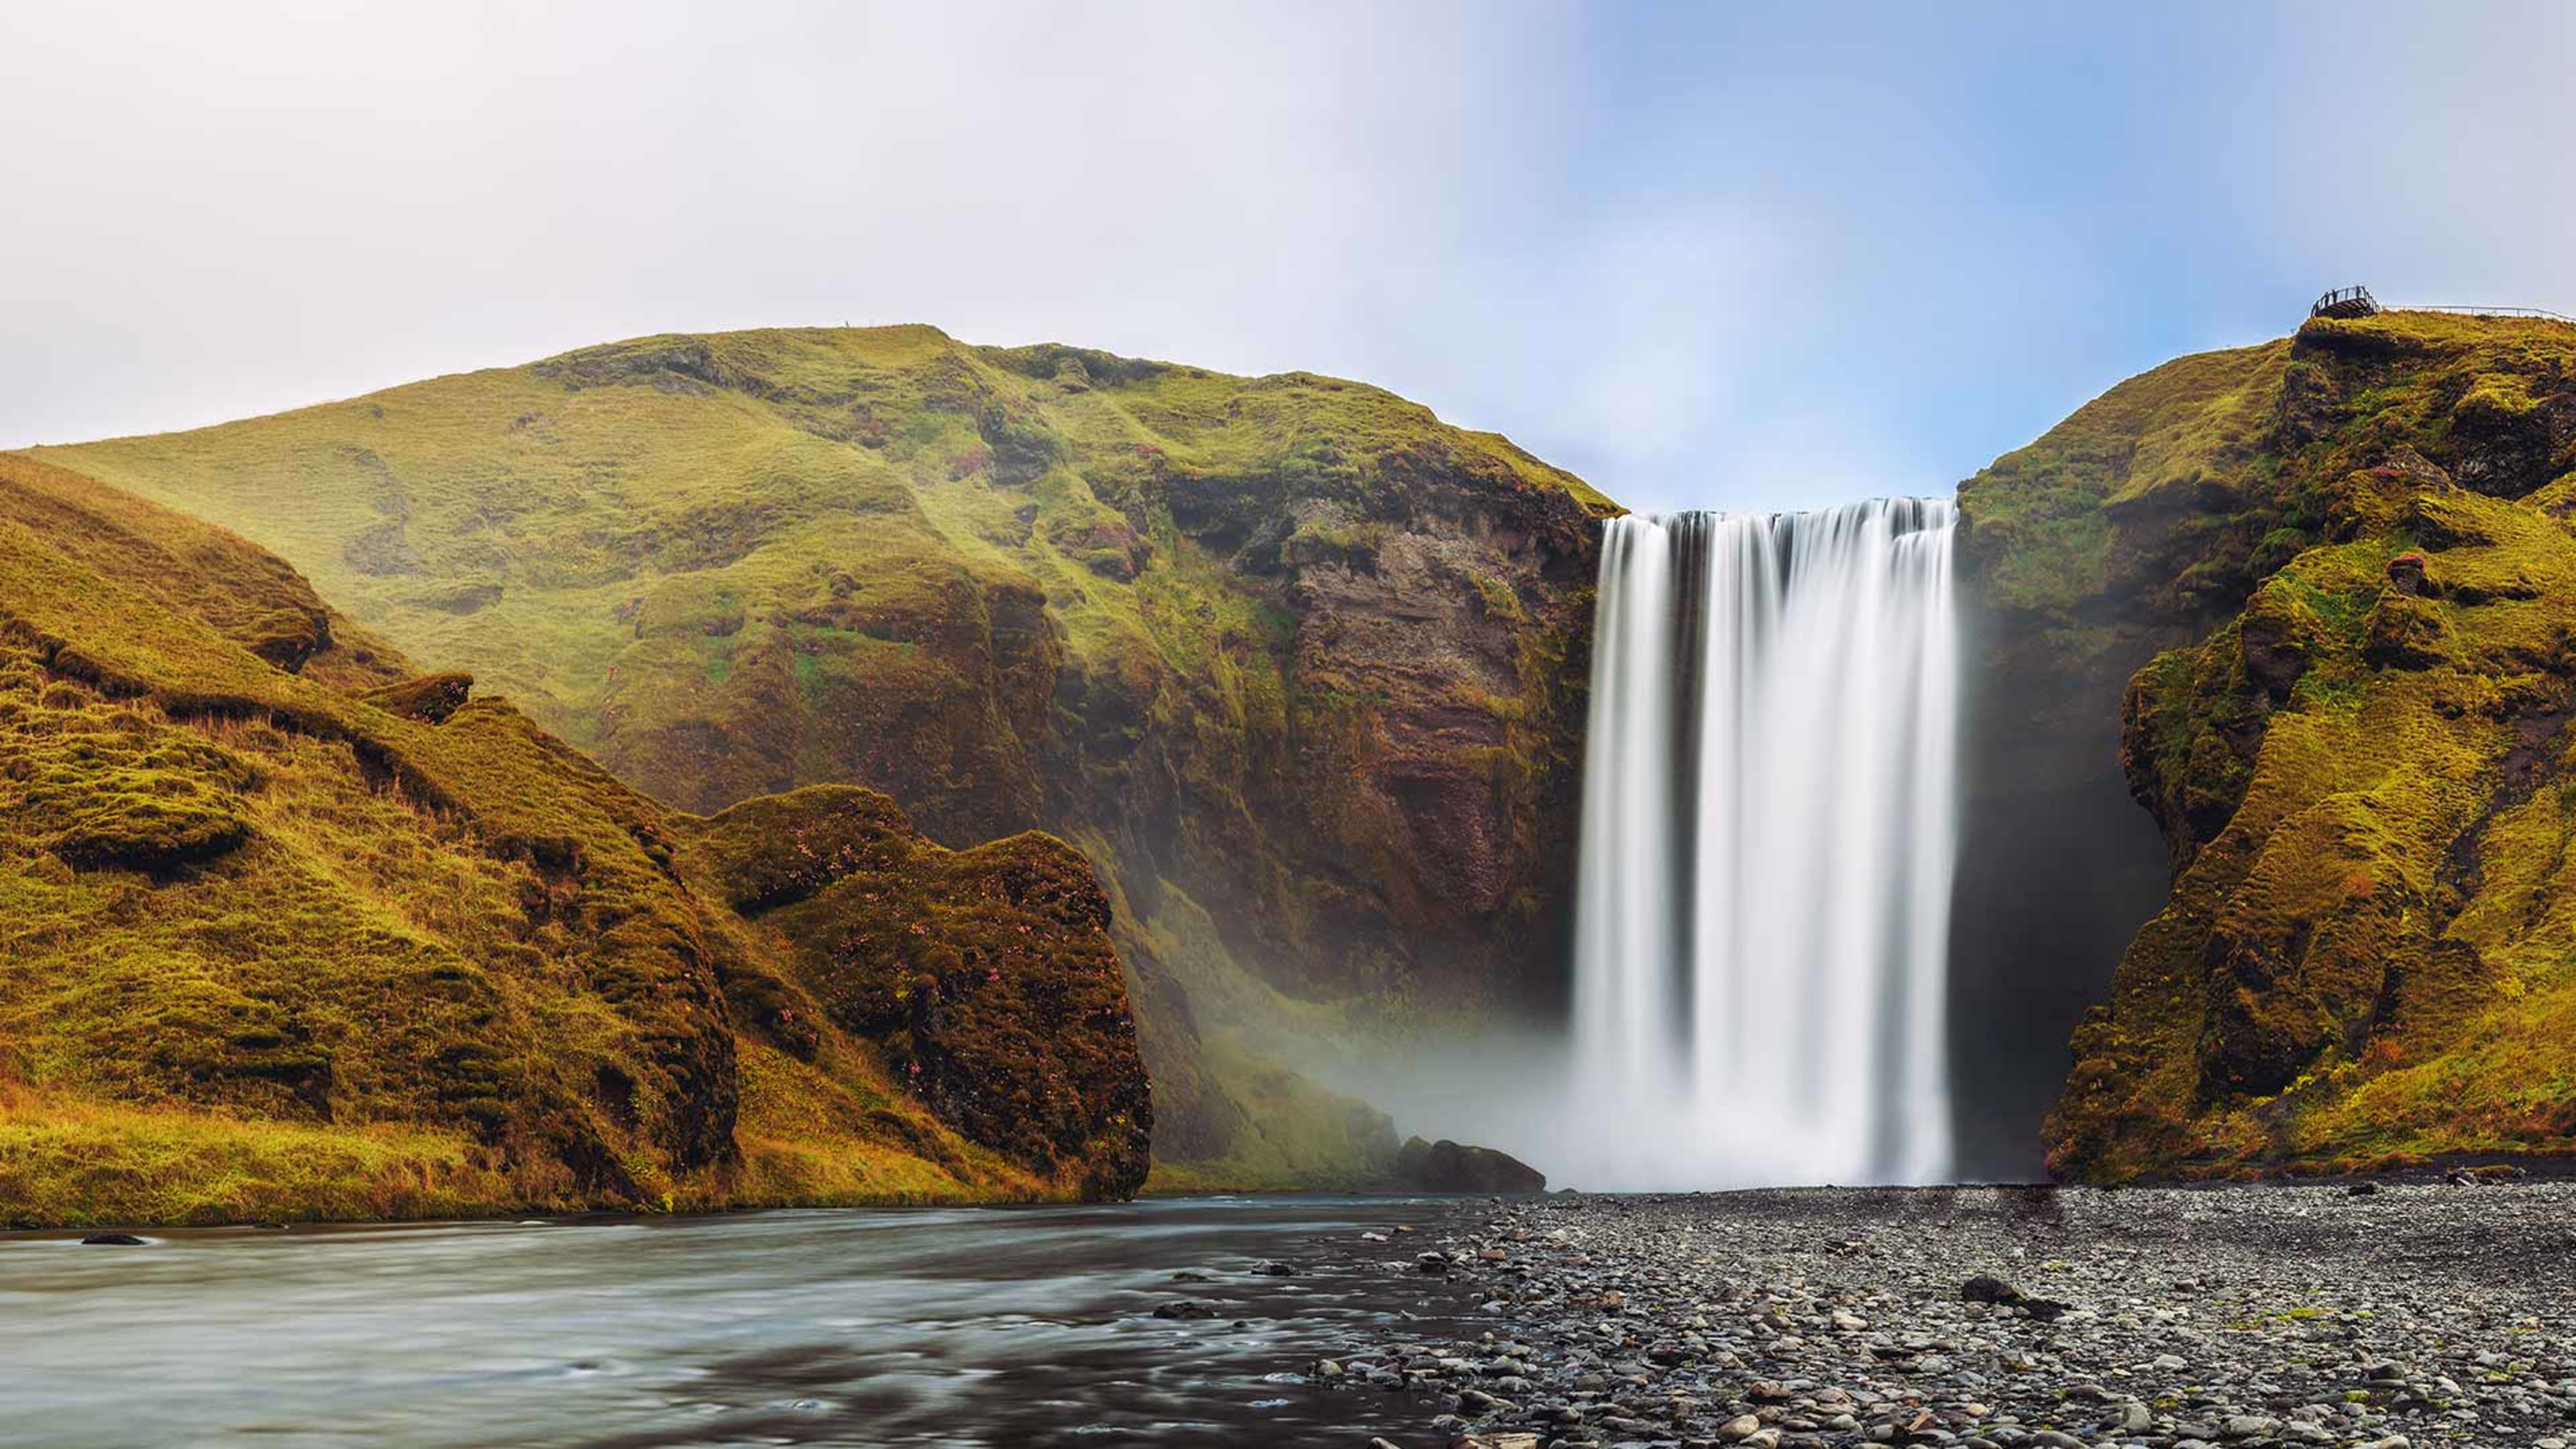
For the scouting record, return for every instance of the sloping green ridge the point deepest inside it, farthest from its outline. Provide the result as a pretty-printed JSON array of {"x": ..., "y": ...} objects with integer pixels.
[{"x": 1288, "y": 656}]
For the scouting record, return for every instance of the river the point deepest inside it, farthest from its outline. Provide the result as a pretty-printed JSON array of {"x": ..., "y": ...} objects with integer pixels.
[{"x": 1007, "y": 1327}]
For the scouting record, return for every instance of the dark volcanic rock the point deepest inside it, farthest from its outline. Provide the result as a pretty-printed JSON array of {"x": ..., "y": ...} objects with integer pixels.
[
  {"x": 1984, "y": 1289},
  {"x": 1446, "y": 1166},
  {"x": 987, "y": 974},
  {"x": 1834, "y": 1317}
]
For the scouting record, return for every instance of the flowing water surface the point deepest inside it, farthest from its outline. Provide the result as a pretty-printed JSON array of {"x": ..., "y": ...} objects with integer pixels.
[
  {"x": 1769, "y": 823},
  {"x": 1028, "y": 1326}
]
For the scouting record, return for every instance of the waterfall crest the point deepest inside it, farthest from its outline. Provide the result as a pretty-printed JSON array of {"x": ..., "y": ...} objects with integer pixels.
[{"x": 1769, "y": 828}]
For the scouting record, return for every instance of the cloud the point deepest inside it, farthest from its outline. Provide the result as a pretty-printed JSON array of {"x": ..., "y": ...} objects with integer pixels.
[
  {"x": 229, "y": 214},
  {"x": 1701, "y": 254}
]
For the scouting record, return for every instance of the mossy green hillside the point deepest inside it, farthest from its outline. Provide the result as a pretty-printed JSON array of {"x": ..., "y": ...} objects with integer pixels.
[
  {"x": 291, "y": 932},
  {"x": 2359, "y": 759},
  {"x": 1287, "y": 652}
]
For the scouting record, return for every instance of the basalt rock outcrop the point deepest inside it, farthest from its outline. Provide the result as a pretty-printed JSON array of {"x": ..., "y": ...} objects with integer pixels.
[
  {"x": 293, "y": 931},
  {"x": 2343, "y": 569},
  {"x": 1297, "y": 665},
  {"x": 985, "y": 975},
  {"x": 1446, "y": 1166}
]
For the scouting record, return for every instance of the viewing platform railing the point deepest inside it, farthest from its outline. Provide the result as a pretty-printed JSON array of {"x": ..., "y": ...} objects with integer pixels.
[
  {"x": 2346, "y": 302},
  {"x": 2493, "y": 312},
  {"x": 2349, "y": 302}
]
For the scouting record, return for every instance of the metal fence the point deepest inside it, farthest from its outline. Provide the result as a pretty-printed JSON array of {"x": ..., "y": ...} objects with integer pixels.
[
  {"x": 2357, "y": 302},
  {"x": 2496, "y": 312}
]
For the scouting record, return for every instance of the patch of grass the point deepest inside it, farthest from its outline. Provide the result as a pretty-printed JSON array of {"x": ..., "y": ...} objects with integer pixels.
[
  {"x": 118, "y": 1163},
  {"x": 2047, "y": 521}
]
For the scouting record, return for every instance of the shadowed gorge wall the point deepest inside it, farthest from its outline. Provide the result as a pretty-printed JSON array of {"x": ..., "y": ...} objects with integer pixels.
[
  {"x": 2120, "y": 532},
  {"x": 1299, "y": 665},
  {"x": 2058, "y": 867}
]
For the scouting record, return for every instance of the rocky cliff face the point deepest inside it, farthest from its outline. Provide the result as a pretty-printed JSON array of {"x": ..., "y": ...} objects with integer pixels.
[
  {"x": 985, "y": 976},
  {"x": 2357, "y": 542},
  {"x": 2126, "y": 530},
  {"x": 295, "y": 933},
  {"x": 1293, "y": 661}
]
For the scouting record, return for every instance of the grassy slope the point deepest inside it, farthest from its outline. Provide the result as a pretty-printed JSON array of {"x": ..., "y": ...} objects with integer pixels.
[
  {"x": 2365, "y": 781},
  {"x": 541, "y": 525},
  {"x": 1015, "y": 587},
  {"x": 276, "y": 950}
]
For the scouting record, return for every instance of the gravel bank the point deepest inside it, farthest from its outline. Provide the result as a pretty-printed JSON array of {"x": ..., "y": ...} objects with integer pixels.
[{"x": 2408, "y": 1314}]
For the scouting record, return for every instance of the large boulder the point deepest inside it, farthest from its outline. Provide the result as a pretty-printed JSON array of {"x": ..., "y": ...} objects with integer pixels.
[
  {"x": 1446, "y": 1166},
  {"x": 986, "y": 975}
]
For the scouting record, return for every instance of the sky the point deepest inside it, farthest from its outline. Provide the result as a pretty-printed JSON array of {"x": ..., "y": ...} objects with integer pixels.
[{"x": 1711, "y": 255}]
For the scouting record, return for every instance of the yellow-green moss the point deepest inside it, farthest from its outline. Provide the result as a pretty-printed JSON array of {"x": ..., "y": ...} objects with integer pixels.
[{"x": 2364, "y": 774}]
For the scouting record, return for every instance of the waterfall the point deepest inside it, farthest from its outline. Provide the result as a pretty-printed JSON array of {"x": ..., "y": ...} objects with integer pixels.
[{"x": 1769, "y": 825}]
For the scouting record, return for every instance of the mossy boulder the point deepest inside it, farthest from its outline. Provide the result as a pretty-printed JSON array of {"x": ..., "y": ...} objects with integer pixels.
[
  {"x": 2403, "y": 631},
  {"x": 430, "y": 697},
  {"x": 1446, "y": 1166},
  {"x": 988, "y": 974}
]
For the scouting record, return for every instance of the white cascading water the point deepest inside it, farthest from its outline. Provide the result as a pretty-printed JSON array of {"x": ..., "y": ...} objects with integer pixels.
[{"x": 1769, "y": 825}]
